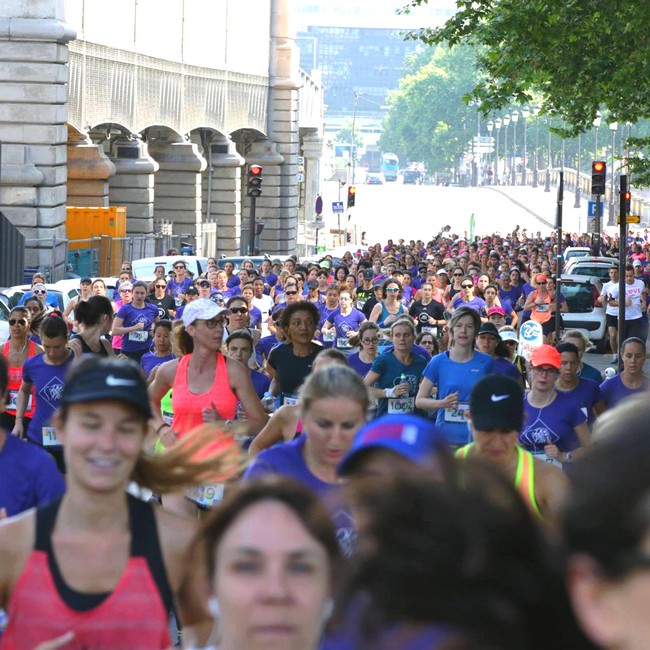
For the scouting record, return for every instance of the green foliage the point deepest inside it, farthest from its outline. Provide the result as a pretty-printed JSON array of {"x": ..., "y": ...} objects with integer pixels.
[
  {"x": 345, "y": 135},
  {"x": 572, "y": 57},
  {"x": 428, "y": 120}
]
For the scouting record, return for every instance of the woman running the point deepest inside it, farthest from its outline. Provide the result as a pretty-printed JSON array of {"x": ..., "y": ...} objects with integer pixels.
[
  {"x": 109, "y": 566},
  {"x": 632, "y": 380},
  {"x": 95, "y": 317},
  {"x": 390, "y": 307},
  {"x": 368, "y": 341},
  {"x": 162, "y": 347},
  {"x": 134, "y": 322}
]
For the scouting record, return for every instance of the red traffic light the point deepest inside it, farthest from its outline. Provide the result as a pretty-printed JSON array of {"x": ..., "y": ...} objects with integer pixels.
[
  {"x": 598, "y": 166},
  {"x": 627, "y": 196},
  {"x": 255, "y": 170}
]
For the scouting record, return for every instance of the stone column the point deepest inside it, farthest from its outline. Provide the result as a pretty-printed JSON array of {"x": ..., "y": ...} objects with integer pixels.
[
  {"x": 312, "y": 150},
  {"x": 222, "y": 194},
  {"x": 88, "y": 172},
  {"x": 177, "y": 197},
  {"x": 133, "y": 184},
  {"x": 284, "y": 82},
  {"x": 277, "y": 236},
  {"x": 33, "y": 113}
]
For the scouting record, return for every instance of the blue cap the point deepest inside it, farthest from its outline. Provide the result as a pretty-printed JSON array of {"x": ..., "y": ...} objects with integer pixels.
[{"x": 410, "y": 436}]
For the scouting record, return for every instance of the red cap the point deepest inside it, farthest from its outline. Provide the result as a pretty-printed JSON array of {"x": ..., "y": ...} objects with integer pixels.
[{"x": 545, "y": 355}]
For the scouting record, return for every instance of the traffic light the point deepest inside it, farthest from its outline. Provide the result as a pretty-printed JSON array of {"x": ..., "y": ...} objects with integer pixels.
[
  {"x": 598, "y": 176},
  {"x": 352, "y": 195},
  {"x": 254, "y": 181},
  {"x": 627, "y": 197}
]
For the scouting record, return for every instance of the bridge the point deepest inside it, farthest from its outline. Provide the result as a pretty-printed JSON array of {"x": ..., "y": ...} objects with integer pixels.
[{"x": 157, "y": 107}]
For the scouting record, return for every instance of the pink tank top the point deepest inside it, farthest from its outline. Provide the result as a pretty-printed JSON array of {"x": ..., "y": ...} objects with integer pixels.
[
  {"x": 15, "y": 380},
  {"x": 188, "y": 406}
]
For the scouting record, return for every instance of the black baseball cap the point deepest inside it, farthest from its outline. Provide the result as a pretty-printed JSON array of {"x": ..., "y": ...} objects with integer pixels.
[
  {"x": 489, "y": 328},
  {"x": 192, "y": 291},
  {"x": 109, "y": 379},
  {"x": 85, "y": 281},
  {"x": 368, "y": 274},
  {"x": 497, "y": 402}
]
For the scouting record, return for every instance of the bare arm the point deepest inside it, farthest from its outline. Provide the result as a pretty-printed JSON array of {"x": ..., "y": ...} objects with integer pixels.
[
  {"x": 21, "y": 407},
  {"x": 161, "y": 384},
  {"x": 240, "y": 383},
  {"x": 551, "y": 490},
  {"x": 281, "y": 425},
  {"x": 369, "y": 380}
]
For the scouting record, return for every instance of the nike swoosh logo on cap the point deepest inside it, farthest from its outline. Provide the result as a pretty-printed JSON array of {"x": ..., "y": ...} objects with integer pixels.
[
  {"x": 116, "y": 381},
  {"x": 498, "y": 398}
]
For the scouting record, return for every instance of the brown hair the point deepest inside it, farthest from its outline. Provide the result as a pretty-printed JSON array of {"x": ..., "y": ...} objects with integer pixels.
[{"x": 301, "y": 501}]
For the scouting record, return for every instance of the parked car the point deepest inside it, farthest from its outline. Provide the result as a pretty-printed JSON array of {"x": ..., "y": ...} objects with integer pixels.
[
  {"x": 14, "y": 294},
  {"x": 256, "y": 259},
  {"x": 591, "y": 266},
  {"x": 143, "y": 269},
  {"x": 575, "y": 251},
  {"x": 585, "y": 314},
  {"x": 374, "y": 179}
]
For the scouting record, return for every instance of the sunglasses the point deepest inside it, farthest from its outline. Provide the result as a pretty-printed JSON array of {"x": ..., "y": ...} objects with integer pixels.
[
  {"x": 179, "y": 267},
  {"x": 161, "y": 286},
  {"x": 17, "y": 321},
  {"x": 392, "y": 290},
  {"x": 211, "y": 324},
  {"x": 204, "y": 284},
  {"x": 291, "y": 293},
  {"x": 40, "y": 292},
  {"x": 126, "y": 290},
  {"x": 466, "y": 286},
  {"x": 458, "y": 275},
  {"x": 544, "y": 282},
  {"x": 239, "y": 310}
]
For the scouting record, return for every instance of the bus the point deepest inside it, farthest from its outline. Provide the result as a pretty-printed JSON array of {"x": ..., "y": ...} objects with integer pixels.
[{"x": 389, "y": 167}]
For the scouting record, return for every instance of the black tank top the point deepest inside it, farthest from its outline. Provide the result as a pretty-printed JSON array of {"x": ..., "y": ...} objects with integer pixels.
[
  {"x": 144, "y": 543},
  {"x": 86, "y": 349}
]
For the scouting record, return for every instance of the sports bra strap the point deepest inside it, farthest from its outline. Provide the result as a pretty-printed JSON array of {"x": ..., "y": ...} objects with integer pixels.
[{"x": 45, "y": 520}]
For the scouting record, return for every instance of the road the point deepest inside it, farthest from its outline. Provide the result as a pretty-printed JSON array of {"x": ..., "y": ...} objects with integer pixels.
[{"x": 394, "y": 210}]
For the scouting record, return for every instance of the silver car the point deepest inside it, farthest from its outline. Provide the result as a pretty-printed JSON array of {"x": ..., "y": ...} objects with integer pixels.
[{"x": 581, "y": 293}]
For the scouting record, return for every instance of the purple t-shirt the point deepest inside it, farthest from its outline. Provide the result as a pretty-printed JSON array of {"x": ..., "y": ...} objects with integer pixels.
[
  {"x": 552, "y": 424},
  {"x": 478, "y": 304},
  {"x": 29, "y": 477},
  {"x": 149, "y": 361},
  {"x": 613, "y": 391},
  {"x": 264, "y": 347},
  {"x": 48, "y": 384},
  {"x": 174, "y": 287},
  {"x": 503, "y": 366},
  {"x": 288, "y": 460},
  {"x": 345, "y": 324},
  {"x": 586, "y": 393},
  {"x": 138, "y": 339},
  {"x": 360, "y": 367},
  {"x": 261, "y": 382}
]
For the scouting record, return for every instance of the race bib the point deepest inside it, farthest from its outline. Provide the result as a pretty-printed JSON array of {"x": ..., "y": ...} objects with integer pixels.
[
  {"x": 360, "y": 304},
  {"x": 140, "y": 336},
  {"x": 428, "y": 329},
  {"x": 329, "y": 336},
  {"x": 401, "y": 404},
  {"x": 343, "y": 343},
  {"x": 542, "y": 308},
  {"x": 49, "y": 437},
  {"x": 456, "y": 414},
  {"x": 542, "y": 456},
  {"x": 12, "y": 403},
  {"x": 206, "y": 496},
  {"x": 289, "y": 399}
]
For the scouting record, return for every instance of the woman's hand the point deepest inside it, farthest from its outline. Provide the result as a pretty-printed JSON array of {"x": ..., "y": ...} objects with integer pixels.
[
  {"x": 19, "y": 429},
  {"x": 450, "y": 401},
  {"x": 167, "y": 437},
  {"x": 552, "y": 452}
]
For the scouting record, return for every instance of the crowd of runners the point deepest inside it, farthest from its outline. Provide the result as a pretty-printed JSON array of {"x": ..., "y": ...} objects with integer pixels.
[{"x": 327, "y": 453}]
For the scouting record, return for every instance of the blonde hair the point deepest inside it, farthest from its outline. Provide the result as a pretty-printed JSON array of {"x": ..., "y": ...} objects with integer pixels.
[
  {"x": 334, "y": 380},
  {"x": 204, "y": 455}
]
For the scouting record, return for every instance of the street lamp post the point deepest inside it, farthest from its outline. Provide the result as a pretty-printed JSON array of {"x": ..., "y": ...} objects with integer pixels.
[
  {"x": 513, "y": 164},
  {"x": 547, "y": 184},
  {"x": 577, "y": 201},
  {"x": 596, "y": 124},
  {"x": 506, "y": 122},
  {"x": 613, "y": 127},
  {"x": 490, "y": 127},
  {"x": 476, "y": 163},
  {"x": 497, "y": 126},
  {"x": 536, "y": 156},
  {"x": 525, "y": 112}
]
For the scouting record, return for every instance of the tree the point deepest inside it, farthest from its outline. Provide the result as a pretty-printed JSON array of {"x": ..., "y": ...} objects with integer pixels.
[
  {"x": 574, "y": 57},
  {"x": 345, "y": 135},
  {"x": 428, "y": 120}
]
